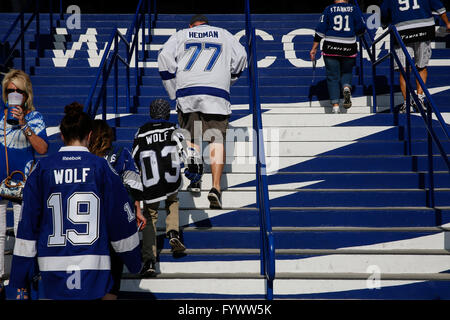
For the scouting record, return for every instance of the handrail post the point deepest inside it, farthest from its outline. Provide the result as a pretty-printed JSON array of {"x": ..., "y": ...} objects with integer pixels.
[
  {"x": 105, "y": 94},
  {"x": 61, "y": 13},
  {"x": 51, "y": 15},
  {"x": 22, "y": 41},
  {"x": 374, "y": 91},
  {"x": 431, "y": 199},
  {"x": 38, "y": 30},
  {"x": 116, "y": 78},
  {"x": 361, "y": 72},
  {"x": 408, "y": 108}
]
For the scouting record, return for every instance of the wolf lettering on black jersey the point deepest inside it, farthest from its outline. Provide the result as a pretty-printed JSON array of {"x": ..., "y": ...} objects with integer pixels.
[{"x": 156, "y": 155}]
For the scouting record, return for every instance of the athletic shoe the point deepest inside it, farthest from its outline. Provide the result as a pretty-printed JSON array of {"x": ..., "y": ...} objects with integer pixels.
[
  {"x": 148, "y": 269},
  {"x": 422, "y": 98},
  {"x": 347, "y": 98},
  {"x": 175, "y": 242},
  {"x": 215, "y": 199},
  {"x": 335, "y": 109},
  {"x": 194, "y": 187},
  {"x": 402, "y": 107}
]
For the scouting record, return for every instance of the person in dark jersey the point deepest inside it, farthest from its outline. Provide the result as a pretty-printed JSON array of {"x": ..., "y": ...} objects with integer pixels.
[
  {"x": 156, "y": 151},
  {"x": 74, "y": 207},
  {"x": 416, "y": 26},
  {"x": 339, "y": 25}
]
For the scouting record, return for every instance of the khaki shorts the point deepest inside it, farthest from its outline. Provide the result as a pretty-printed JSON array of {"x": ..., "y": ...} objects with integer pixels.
[
  {"x": 203, "y": 126},
  {"x": 420, "y": 52}
]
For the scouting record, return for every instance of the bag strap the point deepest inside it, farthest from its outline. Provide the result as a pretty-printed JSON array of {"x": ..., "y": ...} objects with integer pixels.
[{"x": 4, "y": 136}]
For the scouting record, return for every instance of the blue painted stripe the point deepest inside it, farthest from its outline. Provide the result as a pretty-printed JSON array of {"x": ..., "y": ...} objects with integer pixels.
[
  {"x": 166, "y": 75},
  {"x": 210, "y": 91}
]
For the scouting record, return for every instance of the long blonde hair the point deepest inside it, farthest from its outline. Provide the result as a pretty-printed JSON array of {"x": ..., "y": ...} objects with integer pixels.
[
  {"x": 22, "y": 81},
  {"x": 101, "y": 138}
]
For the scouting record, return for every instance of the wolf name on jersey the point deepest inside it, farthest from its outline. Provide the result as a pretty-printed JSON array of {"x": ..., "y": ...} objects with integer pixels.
[
  {"x": 74, "y": 206},
  {"x": 156, "y": 156},
  {"x": 198, "y": 65},
  {"x": 413, "y": 18},
  {"x": 339, "y": 25}
]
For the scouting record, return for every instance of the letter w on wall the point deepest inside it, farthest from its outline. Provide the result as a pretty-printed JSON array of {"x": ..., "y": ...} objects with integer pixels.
[{"x": 62, "y": 55}]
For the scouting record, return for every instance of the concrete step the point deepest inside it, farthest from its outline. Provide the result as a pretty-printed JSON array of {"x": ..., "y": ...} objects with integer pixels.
[{"x": 310, "y": 198}]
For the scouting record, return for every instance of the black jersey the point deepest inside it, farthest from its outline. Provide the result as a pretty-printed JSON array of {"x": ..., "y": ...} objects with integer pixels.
[{"x": 155, "y": 153}]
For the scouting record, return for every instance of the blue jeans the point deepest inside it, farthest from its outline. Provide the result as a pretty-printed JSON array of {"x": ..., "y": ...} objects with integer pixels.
[{"x": 339, "y": 75}]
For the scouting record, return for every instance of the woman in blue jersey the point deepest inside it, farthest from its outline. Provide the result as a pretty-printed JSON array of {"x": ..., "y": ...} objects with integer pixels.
[
  {"x": 120, "y": 159},
  {"x": 339, "y": 26},
  {"x": 23, "y": 140},
  {"x": 74, "y": 208}
]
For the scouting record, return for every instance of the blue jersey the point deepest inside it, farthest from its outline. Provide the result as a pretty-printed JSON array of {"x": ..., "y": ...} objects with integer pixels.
[
  {"x": 339, "y": 25},
  {"x": 20, "y": 152},
  {"x": 74, "y": 206},
  {"x": 413, "y": 18},
  {"x": 122, "y": 162}
]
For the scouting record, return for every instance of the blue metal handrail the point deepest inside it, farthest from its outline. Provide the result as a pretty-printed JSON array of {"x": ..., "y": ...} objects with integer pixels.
[
  {"x": 427, "y": 114},
  {"x": 111, "y": 58},
  {"x": 35, "y": 16},
  {"x": 262, "y": 190}
]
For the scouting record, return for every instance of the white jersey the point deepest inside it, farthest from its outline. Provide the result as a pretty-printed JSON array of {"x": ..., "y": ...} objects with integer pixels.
[{"x": 198, "y": 65}]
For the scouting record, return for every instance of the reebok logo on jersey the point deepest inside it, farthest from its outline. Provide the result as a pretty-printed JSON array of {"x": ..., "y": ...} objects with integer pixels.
[{"x": 71, "y": 158}]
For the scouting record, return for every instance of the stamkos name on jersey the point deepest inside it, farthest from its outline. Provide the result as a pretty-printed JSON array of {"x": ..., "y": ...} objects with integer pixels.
[
  {"x": 341, "y": 9},
  {"x": 70, "y": 175},
  {"x": 204, "y": 34}
]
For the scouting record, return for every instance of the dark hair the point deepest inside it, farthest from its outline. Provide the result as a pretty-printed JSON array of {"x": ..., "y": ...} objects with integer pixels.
[
  {"x": 76, "y": 124},
  {"x": 101, "y": 138},
  {"x": 198, "y": 18}
]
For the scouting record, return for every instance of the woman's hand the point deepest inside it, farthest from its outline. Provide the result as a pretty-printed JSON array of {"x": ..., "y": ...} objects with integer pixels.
[
  {"x": 312, "y": 54},
  {"x": 140, "y": 219},
  {"x": 18, "y": 113}
]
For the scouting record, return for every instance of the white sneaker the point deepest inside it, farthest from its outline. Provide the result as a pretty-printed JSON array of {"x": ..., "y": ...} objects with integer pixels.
[
  {"x": 422, "y": 101},
  {"x": 335, "y": 109}
]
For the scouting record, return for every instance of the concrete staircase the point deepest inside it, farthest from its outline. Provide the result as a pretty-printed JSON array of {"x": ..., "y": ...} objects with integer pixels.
[{"x": 349, "y": 207}]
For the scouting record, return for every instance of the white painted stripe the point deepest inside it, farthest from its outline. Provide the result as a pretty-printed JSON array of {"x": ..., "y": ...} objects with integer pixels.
[
  {"x": 25, "y": 248},
  {"x": 127, "y": 244},
  {"x": 205, "y": 286},
  {"x": 360, "y": 263},
  {"x": 305, "y": 286},
  {"x": 84, "y": 262}
]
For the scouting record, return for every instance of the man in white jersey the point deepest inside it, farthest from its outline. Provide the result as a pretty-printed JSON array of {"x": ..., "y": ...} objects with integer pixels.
[{"x": 197, "y": 66}]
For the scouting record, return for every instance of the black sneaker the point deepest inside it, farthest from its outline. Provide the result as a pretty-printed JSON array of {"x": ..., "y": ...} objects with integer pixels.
[
  {"x": 148, "y": 270},
  {"x": 215, "y": 199},
  {"x": 347, "y": 98},
  {"x": 195, "y": 187},
  {"x": 175, "y": 242}
]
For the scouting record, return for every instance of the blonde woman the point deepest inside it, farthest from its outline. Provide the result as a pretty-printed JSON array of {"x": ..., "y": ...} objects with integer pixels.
[{"x": 23, "y": 140}]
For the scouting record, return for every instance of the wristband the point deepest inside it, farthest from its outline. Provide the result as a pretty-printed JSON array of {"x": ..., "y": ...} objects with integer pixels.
[{"x": 24, "y": 127}]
